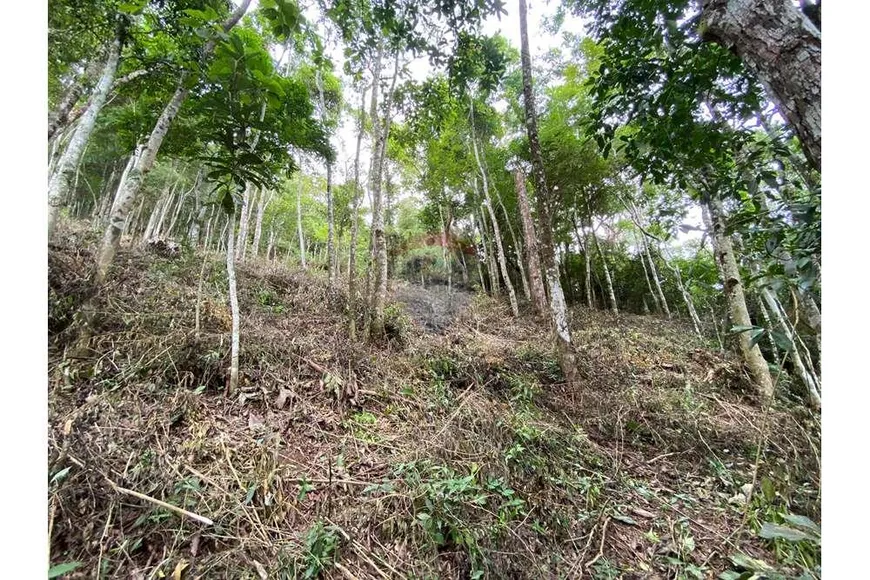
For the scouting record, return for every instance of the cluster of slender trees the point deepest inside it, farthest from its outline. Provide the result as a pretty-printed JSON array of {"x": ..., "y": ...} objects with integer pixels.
[{"x": 190, "y": 126}]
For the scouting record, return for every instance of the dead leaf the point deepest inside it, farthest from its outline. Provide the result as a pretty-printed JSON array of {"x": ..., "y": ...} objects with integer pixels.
[
  {"x": 254, "y": 420},
  {"x": 283, "y": 395},
  {"x": 194, "y": 545},
  {"x": 261, "y": 570},
  {"x": 179, "y": 569},
  {"x": 643, "y": 513}
]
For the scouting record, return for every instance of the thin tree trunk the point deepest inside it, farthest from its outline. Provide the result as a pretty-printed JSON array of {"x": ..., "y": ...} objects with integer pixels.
[
  {"x": 445, "y": 254},
  {"x": 180, "y": 206},
  {"x": 687, "y": 298},
  {"x": 536, "y": 284},
  {"x": 492, "y": 269},
  {"x": 330, "y": 211},
  {"x": 656, "y": 279},
  {"x": 299, "y": 227},
  {"x": 797, "y": 357},
  {"x": 727, "y": 262},
  {"x": 234, "y": 308},
  {"x": 642, "y": 255},
  {"x": 247, "y": 203},
  {"x": 354, "y": 228},
  {"x": 265, "y": 199},
  {"x": 783, "y": 48},
  {"x": 464, "y": 268},
  {"x": 607, "y": 278},
  {"x": 512, "y": 297},
  {"x": 59, "y": 118},
  {"x": 58, "y": 188},
  {"x": 127, "y": 196}
]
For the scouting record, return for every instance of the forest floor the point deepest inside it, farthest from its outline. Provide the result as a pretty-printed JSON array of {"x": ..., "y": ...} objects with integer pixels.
[{"x": 453, "y": 449}]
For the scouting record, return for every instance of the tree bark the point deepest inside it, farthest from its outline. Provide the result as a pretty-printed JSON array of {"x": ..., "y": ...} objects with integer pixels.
[
  {"x": 783, "y": 48},
  {"x": 299, "y": 227},
  {"x": 445, "y": 254},
  {"x": 59, "y": 186},
  {"x": 265, "y": 199},
  {"x": 727, "y": 262},
  {"x": 330, "y": 211},
  {"x": 234, "y": 308},
  {"x": 59, "y": 118},
  {"x": 492, "y": 269},
  {"x": 127, "y": 196},
  {"x": 495, "y": 229},
  {"x": 536, "y": 285},
  {"x": 608, "y": 280},
  {"x": 557, "y": 299},
  {"x": 247, "y": 204},
  {"x": 354, "y": 228},
  {"x": 379, "y": 240}
]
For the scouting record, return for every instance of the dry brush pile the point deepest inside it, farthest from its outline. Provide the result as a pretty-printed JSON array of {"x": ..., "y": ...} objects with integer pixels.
[{"x": 454, "y": 455}]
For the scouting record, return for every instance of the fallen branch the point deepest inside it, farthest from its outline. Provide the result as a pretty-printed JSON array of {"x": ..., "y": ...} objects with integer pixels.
[{"x": 163, "y": 504}]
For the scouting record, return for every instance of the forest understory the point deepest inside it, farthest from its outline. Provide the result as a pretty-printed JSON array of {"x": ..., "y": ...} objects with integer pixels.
[{"x": 452, "y": 448}]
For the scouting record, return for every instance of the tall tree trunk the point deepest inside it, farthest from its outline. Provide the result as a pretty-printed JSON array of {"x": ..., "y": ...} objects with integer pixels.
[
  {"x": 727, "y": 262},
  {"x": 234, "y": 308},
  {"x": 265, "y": 199},
  {"x": 59, "y": 118},
  {"x": 180, "y": 205},
  {"x": 643, "y": 256},
  {"x": 687, "y": 298},
  {"x": 127, "y": 196},
  {"x": 492, "y": 269},
  {"x": 445, "y": 254},
  {"x": 464, "y": 268},
  {"x": 330, "y": 211},
  {"x": 536, "y": 285},
  {"x": 587, "y": 256},
  {"x": 495, "y": 229},
  {"x": 354, "y": 228},
  {"x": 518, "y": 246},
  {"x": 806, "y": 377},
  {"x": 655, "y": 276},
  {"x": 248, "y": 202},
  {"x": 784, "y": 49},
  {"x": 379, "y": 240},
  {"x": 557, "y": 299},
  {"x": 58, "y": 187},
  {"x": 299, "y": 227},
  {"x": 611, "y": 294}
]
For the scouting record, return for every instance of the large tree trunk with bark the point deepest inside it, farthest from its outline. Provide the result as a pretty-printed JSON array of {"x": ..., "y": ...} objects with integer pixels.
[
  {"x": 127, "y": 196},
  {"x": 739, "y": 313},
  {"x": 59, "y": 186},
  {"x": 533, "y": 265},
  {"x": 379, "y": 238},
  {"x": 59, "y": 119},
  {"x": 557, "y": 299},
  {"x": 784, "y": 49}
]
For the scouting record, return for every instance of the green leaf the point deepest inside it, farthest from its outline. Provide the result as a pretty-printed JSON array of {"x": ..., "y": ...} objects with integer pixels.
[
  {"x": 749, "y": 563},
  {"x": 756, "y": 337},
  {"x": 60, "y": 475},
  {"x": 803, "y": 522},
  {"x": 61, "y": 569},
  {"x": 737, "y": 329},
  {"x": 770, "y": 531}
]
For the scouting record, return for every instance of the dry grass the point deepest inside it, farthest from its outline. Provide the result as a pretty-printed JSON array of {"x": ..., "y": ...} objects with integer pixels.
[{"x": 401, "y": 459}]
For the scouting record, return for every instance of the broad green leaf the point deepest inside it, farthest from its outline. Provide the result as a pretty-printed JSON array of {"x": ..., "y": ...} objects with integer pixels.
[
  {"x": 770, "y": 531},
  {"x": 61, "y": 569}
]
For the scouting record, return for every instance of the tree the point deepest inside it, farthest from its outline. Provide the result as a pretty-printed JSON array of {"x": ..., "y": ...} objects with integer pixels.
[
  {"x": 783, "y": 47},
  {"x": 557, "y": 298}
]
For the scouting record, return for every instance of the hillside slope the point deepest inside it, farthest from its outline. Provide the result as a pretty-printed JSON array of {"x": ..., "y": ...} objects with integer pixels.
[{"x": 452, "y": 450}]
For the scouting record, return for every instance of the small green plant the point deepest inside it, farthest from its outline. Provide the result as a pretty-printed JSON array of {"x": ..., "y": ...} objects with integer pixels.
[
  {"x": 456, "y": 510},
  {"x": 321, "y": 544}
]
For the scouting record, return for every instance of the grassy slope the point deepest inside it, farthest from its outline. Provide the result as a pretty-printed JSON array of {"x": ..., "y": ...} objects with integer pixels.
[{"x": 432, "y": 456}]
